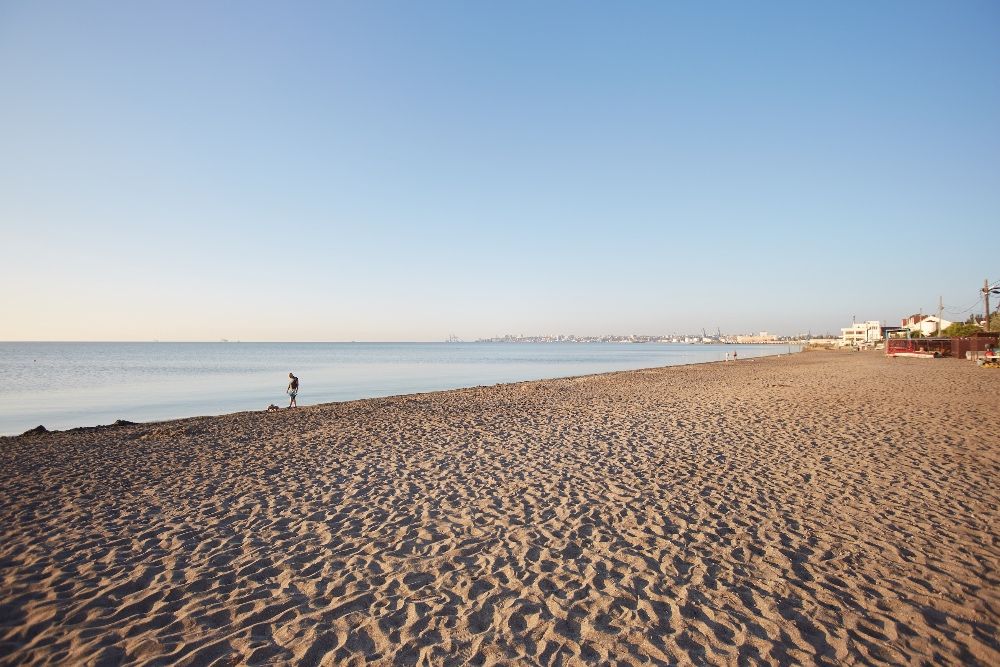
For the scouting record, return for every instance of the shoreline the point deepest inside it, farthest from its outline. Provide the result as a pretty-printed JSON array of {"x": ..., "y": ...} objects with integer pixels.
[
  {"x": 821, "y": 508},
  {"x": 36, "y": 430}
]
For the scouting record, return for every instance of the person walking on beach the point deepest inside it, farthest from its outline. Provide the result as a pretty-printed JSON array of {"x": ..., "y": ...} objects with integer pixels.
[
  {"x": 293, "y": 390},
  {"x": 734, "y": 355}
]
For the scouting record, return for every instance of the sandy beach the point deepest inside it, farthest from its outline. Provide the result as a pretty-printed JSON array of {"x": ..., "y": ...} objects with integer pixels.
[{"x": 819, "y": 508}]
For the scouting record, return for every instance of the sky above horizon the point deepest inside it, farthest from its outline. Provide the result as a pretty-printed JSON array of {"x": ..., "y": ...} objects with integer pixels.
[{"x": 407, "y": 171}]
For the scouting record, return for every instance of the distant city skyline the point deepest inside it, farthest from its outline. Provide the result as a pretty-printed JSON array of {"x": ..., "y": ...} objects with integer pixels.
[{"x": 408, "y": 171}]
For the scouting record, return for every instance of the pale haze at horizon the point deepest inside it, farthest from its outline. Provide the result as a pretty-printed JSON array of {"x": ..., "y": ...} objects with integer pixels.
[{"x": 406, "y": 171}]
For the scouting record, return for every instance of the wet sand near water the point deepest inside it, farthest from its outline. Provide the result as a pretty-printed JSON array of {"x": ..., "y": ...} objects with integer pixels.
[{"x": 819, "y": 508}]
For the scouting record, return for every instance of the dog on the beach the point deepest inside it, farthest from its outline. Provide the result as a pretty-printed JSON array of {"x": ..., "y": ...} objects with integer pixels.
[{"x": 272, "y": 408}]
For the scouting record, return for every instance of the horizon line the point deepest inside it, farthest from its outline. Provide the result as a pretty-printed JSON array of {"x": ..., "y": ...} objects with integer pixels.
[{"x": 443, "y": 341}]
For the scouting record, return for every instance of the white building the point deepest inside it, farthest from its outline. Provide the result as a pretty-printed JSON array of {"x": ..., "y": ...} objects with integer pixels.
[
  {"x": 861, "y": 333},
  {"x": 926, "y": 325}
]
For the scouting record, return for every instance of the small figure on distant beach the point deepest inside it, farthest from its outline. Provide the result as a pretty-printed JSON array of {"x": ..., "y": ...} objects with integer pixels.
[
  {"x": 292, "y": 391},
  {"x": 727, "y": 356},
  {"x": 734, "y": 355}
]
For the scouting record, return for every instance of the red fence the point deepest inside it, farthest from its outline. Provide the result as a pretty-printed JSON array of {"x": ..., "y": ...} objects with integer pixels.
[
  {"x": 941, "y": 347},
  {"x": 959, "y": 346}
]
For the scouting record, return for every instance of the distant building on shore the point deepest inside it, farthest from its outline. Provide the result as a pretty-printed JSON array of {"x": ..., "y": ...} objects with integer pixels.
[
  {"x": 762, "y": 337},
  {"x": 861, "y": 333},
  {"x": 926, "y": 325}
]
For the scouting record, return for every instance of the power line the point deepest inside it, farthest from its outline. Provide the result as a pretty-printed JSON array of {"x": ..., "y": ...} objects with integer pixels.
[
  {"x": 975, "y": 304},
  {"x": 955, "y": 311}
]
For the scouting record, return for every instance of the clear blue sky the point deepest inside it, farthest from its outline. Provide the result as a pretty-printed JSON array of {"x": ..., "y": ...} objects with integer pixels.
[{"x": 405, "y": 170}]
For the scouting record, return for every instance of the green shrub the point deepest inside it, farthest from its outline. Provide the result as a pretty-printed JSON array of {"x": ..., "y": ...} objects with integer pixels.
[{"x": 958, "y": 330}]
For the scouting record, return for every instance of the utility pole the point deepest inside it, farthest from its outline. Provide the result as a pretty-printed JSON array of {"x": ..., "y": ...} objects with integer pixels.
[
  {"x": 986, "y": 301},
  {"x": 940, "y": 311}
]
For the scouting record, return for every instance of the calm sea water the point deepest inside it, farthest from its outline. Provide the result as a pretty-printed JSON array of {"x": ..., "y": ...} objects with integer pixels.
[{"x": 64, "y": 385}]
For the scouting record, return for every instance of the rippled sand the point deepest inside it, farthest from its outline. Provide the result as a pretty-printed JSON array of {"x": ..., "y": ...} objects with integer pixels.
[{"x": 821, "y": 508}]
